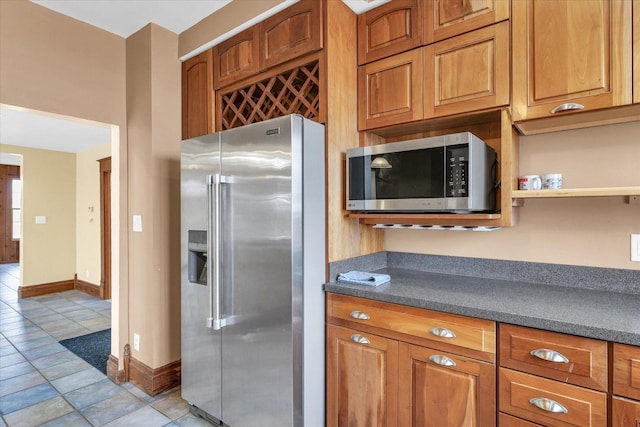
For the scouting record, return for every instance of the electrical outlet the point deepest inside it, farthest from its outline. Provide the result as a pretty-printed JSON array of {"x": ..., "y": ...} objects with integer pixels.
[
  {"x": 136, "y": 342},
  {"x": 635, "y": 247},
  {"x": 86, "y": 273}
]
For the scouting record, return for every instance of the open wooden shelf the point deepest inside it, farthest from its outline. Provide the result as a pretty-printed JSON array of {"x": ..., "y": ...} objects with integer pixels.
[{"x": 576, "y": 192}]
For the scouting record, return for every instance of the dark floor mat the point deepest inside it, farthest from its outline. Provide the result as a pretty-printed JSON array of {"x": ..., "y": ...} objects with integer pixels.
[{"x": 93, "y": 348}]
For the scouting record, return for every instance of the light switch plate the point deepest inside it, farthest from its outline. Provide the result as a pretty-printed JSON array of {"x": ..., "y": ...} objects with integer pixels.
[
  {"x": 635, "y": 247},
  {"x": 137, "y": 223},
  {"x": 41, "y": 219}
]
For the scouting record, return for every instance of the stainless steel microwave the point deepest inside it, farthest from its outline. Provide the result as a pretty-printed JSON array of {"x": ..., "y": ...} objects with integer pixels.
[{"x": 448, "y": 173}]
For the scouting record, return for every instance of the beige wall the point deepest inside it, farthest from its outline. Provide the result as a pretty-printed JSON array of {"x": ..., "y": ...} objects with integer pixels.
[
  {"x": 47, "y": 251},
  {"x": 52, "y": 63},
  {"x": 583, "y": 231},
  {"x": 154, "y": 118},
  {"x": 221, "y": 22},
  {"x": 88, "y": 244}
]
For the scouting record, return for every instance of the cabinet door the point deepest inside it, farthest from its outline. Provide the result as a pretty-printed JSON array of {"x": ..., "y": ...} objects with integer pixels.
[
  {"x": 468, "y": 72},
  {"x": 362, "y": 375},
  {"x": 236, "y": 58},
  {"x": 570, "y": 56},
  {"x": 626, "y": 370},
  {"x": 392, "y": 28},
  {"x": 291, "y": 33},
  {"x": 441, "y": 389},
  {"x": 390, "y": 91},
  {"x": 448, "y": 18},
  {"x": 626, "y": 413},
  {"x": 197, "y": 95}
]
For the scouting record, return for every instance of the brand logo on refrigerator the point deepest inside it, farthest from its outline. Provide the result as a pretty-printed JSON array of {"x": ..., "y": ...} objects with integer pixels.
[{"x": 275, "y": 131}]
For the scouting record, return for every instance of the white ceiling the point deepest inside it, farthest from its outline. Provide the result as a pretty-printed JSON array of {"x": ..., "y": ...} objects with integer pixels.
[
  {"x": 121, "y": 17},
  {"x": 27, "y": 128}
]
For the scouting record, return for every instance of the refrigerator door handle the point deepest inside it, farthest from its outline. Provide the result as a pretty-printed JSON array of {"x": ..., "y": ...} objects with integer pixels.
[{"x": 215, "y": 320}]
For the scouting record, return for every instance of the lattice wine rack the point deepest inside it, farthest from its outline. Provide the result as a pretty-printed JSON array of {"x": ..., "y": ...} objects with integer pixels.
[{"x": 293, "y": 91}]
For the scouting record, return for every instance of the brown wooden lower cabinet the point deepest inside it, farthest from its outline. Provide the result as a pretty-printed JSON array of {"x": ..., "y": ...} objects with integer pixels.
[
  {"x": 442, "y": 389},
  {"x": 374, "y": 381},
  {"x": 626, "y": 413},
  {"x": 505, "y": 420},
  {"x": 362, "y": 375},
  {"x": 550, "y": 403}
]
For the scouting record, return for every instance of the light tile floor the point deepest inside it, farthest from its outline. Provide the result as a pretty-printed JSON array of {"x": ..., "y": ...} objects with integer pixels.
[{"x": 43, "y": 383}]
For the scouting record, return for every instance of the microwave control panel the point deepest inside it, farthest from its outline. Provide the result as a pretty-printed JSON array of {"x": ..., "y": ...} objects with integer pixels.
[{"x": 457, "y": 170}]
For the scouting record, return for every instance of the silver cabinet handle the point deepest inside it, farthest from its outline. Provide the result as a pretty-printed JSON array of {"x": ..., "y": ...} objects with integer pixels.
[
  {"x": 442, "y": 360},
  {"x": 442, "y": 332},
  {"x": 359, "y": 315},
  {"x": 549, "y": 355},
  {"x": 215, "y": 320},
  {"x": 569, "y": 106},
  {"x": 548, "y": 405},
  {"x": 360, "y": 339}
]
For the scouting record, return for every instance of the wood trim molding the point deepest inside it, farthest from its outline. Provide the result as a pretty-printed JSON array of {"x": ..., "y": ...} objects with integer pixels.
[
  {"x": 154, "y": 381},
  {"x": 45, "y": 288},
  {"x": 63, "y": 285},
  {"x": 113, "y": 373},
  {"x": 88, "y": 288}
]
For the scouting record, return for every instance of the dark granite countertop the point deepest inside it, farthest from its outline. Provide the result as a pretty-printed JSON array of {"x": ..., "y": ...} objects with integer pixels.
[{"x": 611, "y": 316}]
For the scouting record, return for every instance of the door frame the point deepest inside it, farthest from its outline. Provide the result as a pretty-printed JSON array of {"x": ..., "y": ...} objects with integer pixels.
[{"x": 105, "y": 228}]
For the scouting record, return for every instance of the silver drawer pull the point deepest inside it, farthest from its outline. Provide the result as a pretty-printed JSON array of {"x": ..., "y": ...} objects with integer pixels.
[
  {"x": 360, "y": 339},
  {"x": 569, "y": 106},
  {"x": 442, "y": 332},
  {"x": 359, "y": 315},
  {"x": 442, "y": 360},
  {"x": 549, "y": 355},
  {"x": 548, "y": 405}
]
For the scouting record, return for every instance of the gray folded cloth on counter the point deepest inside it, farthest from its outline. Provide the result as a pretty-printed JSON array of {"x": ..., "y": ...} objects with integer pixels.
[{"x": 363, "y": 278}]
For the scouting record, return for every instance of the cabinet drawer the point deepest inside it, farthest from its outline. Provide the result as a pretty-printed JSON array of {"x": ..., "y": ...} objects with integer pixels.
[
  {"x": 626, "y": 413},
  {"x": 550, "y": 402},
  {"x": 424, "y": 327},
  {"x": 505, "y": 420},
  {"x": 566, "y": 358},
  {"x": 626, "y": 368}
]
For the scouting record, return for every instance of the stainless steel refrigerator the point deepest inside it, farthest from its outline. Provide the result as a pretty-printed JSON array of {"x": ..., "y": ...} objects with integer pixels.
[{"x": 253, "y": 265}]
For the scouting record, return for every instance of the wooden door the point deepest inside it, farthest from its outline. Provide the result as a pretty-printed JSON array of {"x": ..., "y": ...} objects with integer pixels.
[
  {"x": 236, "y": 58},
  {"x": 197, "y": 95},
  {"x": 570, "y": 56},
  {"x": 362, "y": 375},
  {"x": 626, "y": 413},
  {"x": 295, "y": 31},
  {"x": 9, "y": 246},
  {"x": 390, "y": 91},
  {"x": 392, "y": 28},
  {"x": 441, "y": 389},
  {"x": 448, "y": 18},
  {"x": 468, "y": 72},
  {"x": 105, "y": 228}
]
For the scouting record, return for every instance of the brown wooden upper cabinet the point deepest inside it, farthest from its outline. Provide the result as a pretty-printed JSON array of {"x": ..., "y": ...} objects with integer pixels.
[
  {"x": 448, "y": 18},
  {"x": 390, "y": 90},
  {"x": 469, "y": 72},
  {"x": 197, "y": 95},
  {"x": 291, "y": 33},
  {"x": 236, "y": 58},
  {"x": 392, "y": 28},
  {"x": 570, "y": 56},
  {"x": 466, "y": 73}
]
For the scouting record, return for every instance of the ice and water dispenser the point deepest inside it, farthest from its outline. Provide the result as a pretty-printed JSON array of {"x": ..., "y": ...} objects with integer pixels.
[{"x": 197, "y": 261}]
